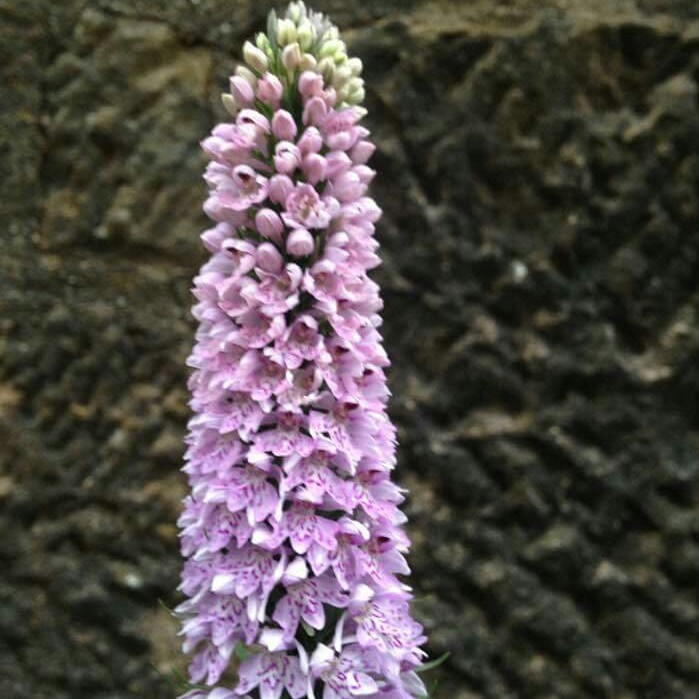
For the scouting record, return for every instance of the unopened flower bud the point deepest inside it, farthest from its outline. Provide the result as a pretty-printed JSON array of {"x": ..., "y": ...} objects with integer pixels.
[
  {"x": 241, "y": 90},
  {"x": 348, "y": 187},
  {"x": 365, "y": 173},
  {"x": 315, "y": 110},
  {"x": 307, "y": 62},
  {"x": 280, "y": 186},
  {"x": 291, "y": 56},
  {"x": 357, "y": 96},
  {"x": 314, "y": 167},
  {"x": 355, "y": 84},
  {"x": 338, "y": 162},
  {"x": 255, "y": 57},
  {"x": 310, "y": 84},
  {"x": 246, "y": 74},
  {"x": 330, "y": 96},
  {"x": 287, "y": 157},
  {"x": 262, "y": 43},
  {"x": 342, "y": 75},
  {"x": 362, "y": 151},
  {"x": 229, "y": 103},
  {"x": 269, "y": 258},
  {"x": 286, "y": 32},
  {"x": 305, "y": 35},
  {"x": 299, "y": 243},
  {"x": 269, "y": 225},
  {"x": 339, "y": 239},
  {"x": 311, "y": 141},
  {"x": 283, "y": 126},
  {"x": 355, "y": 66},
  {"x": 270, "y": 89},
  {"x": 329, "y": 48},
  {"x": 326, "y": 66},
  {"x": 342, "y": 94},
  {"x": 294, "y": 12}
]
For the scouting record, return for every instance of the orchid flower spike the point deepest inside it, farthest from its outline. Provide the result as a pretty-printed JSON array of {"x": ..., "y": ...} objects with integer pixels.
[{"x": 292, "y": 532}]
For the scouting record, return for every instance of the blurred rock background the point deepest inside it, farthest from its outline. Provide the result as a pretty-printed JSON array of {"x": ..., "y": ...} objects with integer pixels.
[{"x": 538, "y": 165}]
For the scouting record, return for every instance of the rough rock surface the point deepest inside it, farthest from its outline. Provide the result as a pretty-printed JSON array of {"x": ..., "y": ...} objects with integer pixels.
[{"x": 539, "y": 169}]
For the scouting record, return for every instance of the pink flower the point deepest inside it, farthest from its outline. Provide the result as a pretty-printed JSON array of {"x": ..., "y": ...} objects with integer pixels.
[
  {"x": 232, "y": 143},
  {"x": 245, "y": 572},
  {"x": 302, "y": 526},
  {"x": 270, "y": 89},
  {"x": 342, "y": 676},
  {"x": 310, "y": 84},
  {"x": 287, "y": 157},
  {"x": 311, "y": 141},
  {"x": 235, "y": 190},
  {"x": 304, "y": 599},
  {"x": 304, "y": 208},
  {"x": 245, "y": 489},
  {"x": 272, "y": 673},
  {"x": 300, "y": 243},
  {"x": 314, "y": 167},
  {"x": 285, "y": 437},
  {"x": 339, "y": 130},
  {"x": 301, "y": 342},
  {"x": 269, "y": 225},
  {"x": 242, "y": 91},
  {"x": 280, "y": 186},
  {"x": 384, "y": 623},
  {"x": 283, "y": 126}
]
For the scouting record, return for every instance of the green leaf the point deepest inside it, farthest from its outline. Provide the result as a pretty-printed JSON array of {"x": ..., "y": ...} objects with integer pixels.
[
  {"x": 426, "y": 667},
  {"x": 171, "y": 612}
]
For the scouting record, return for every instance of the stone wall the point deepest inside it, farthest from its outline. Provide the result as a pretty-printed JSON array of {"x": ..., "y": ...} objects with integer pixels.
[{"x": 539, "y": 169}]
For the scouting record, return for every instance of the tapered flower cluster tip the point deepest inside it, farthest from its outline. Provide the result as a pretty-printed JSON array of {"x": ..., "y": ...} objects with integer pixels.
[{"x": 292, "y": 532}]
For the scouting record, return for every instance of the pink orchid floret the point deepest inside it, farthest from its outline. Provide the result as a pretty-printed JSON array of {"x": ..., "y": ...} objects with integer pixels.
[
  {"x": 292, "y": 532},
  {"x": 305, "y": 208}
]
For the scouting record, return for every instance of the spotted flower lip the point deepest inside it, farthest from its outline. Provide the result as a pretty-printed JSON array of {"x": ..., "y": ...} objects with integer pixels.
[
  {"x": 292, "y": 531},
  {"x": 305, "y": 208}
]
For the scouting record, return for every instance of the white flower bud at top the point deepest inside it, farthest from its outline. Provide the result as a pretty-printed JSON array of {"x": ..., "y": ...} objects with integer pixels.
[
  {"x": 291, "y": 56},
  {"x": 263, "y": 43},
  {"x": 355, "y": 66},
  {"x": 255, "y": 57},
  {"x": 342, "y": 75},
  {"x": 329, "y": 48},
  {"x": 247, "y": 75},
  {"x": 331, "y": 33},
  {"x": 355, "y": 84},
  {"x": 342, "y": 93},
  {"x": 357, "y": 96},
  {"x": 326, "y": 66},
  {"x": 307, "y": 62},
  {"x": 294, "y": 12},
  {"x": 229, "y": 104},
  {"x": 306, "y": 35},
  {"x": 286, "y": 32}
]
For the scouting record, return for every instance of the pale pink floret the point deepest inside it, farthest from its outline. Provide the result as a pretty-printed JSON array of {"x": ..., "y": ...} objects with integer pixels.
[
  {"x": 305, "y": 208},
  {"x": 272, "y": 673}
]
